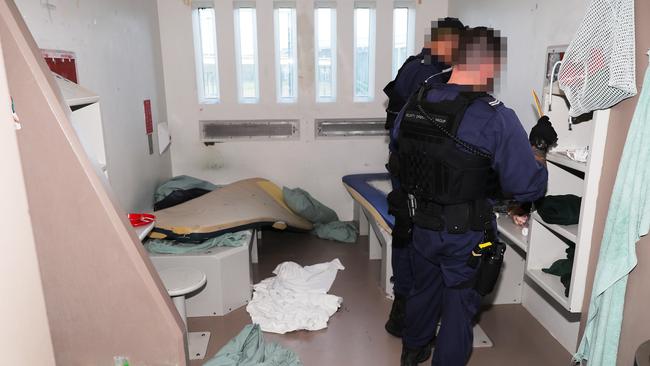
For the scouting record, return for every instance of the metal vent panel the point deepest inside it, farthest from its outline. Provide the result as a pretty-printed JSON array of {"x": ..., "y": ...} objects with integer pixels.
[
  {"x": 218, "y": 131},
  {"x": 351, "y": 127}
]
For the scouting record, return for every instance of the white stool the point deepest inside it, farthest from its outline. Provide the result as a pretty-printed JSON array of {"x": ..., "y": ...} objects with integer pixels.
[{"x": 180, "y": 281}]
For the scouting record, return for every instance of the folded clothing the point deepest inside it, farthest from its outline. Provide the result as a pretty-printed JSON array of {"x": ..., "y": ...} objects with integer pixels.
[{"x": 560, "y": 210}]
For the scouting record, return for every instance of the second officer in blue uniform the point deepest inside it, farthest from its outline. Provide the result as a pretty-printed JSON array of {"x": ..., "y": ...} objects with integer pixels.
[
  {"x": 454, "y": 149},
  {"x": 433, "y": 65}
]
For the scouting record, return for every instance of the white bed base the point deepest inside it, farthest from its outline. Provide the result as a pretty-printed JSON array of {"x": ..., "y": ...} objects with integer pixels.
[{"x": 229, "y": 279}]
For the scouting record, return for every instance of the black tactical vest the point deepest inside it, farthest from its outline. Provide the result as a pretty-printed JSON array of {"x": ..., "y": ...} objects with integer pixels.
[{"x": 436, "y": 166}]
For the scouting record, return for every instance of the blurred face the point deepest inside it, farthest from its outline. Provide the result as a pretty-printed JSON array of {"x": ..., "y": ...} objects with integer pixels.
[
  {"x": 478, "y": 63},
  {"x": 444, "y": 45}
]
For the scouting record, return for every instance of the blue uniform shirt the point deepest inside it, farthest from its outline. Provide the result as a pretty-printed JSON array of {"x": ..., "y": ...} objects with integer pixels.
[
  {"x": 493, "y": 127},
  {"x": 411, "y": 76}
]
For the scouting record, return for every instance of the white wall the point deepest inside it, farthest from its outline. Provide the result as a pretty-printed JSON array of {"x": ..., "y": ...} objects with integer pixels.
[
  {"x": 530, "y": 26},
  {"x": 316, "y": 165},
  {"x": 118, "y": 56}
]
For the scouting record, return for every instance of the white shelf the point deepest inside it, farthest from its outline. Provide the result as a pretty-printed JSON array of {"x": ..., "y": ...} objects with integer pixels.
[
  {"x": 551, "y": 284},
  {"x": 568, "y": 231},
  {"x": 512, "y": 232},
  {"x": 73, "y": 93},
  {"x": 563, "y": 160}
]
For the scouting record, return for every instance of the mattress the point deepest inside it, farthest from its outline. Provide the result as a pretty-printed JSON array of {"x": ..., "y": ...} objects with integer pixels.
[
  {"x": 249, "y": 203},
  {"x": 370, "y": 191}
]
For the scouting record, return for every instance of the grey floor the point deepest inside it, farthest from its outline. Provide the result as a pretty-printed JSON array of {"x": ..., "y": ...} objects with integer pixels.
[{"x": 355, "y": 335}]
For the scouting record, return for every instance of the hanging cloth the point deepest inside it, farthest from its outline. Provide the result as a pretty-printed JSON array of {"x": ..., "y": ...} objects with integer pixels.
[
  {"x": 628, "y": 219},
  {"x": 598, "y": 69}
]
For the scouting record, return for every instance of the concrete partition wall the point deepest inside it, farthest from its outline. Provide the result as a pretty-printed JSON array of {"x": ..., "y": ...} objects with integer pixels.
[
  {"x": 102, "y": 295},
  {"x": 22, "y": 311}
]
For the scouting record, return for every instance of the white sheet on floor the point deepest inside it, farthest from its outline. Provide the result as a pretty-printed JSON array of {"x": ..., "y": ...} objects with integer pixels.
[{"x": 296, "y": 298}]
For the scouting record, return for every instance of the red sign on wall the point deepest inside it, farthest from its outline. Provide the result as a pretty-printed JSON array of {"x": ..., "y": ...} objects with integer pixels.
[
  {"x": 148, "y": 119},
  {"x": 62, "y": 63}
]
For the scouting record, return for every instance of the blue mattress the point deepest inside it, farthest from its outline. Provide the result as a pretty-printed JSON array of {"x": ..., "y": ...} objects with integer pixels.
[{"x": 368, "y": 186}]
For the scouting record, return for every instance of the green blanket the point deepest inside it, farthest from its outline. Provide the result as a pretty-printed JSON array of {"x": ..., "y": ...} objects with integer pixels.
[
  {"x": 248, "y": 348},
  {"x": 160, "y": 246},
  {"x": 326, "y": 221},
  {"x": 181, "y": 182}
]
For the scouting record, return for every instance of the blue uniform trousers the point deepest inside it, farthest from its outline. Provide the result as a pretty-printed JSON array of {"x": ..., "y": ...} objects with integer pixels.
[
  {"x": 439, "y": 265},
  {"x": 402, "y": 273}
]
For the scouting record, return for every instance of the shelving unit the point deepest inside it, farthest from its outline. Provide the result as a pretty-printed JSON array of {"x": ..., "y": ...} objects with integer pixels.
[
  {"x": 562, "y": 160},
  {"x": 568, "y": 231},
  {"x": 547, "y": 242},
  {"x": 551, "y": 284},
  {"x": 87, "y": 121},
  {"x": 512, "y": 233}
]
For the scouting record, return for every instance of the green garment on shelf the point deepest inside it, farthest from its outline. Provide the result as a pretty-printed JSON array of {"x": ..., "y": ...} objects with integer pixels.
[
  {"x": 560, "y": 210},
  {"x": 628, "y": 219},
  {"x": 563, "y": 267},
  {"x": 248, "y": 348},
  {"x": 160, "y": 246}
]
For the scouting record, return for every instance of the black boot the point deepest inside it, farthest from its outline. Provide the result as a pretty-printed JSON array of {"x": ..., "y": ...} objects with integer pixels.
[
  {"x": 395, "y": 323},
  {"x": 414, "y": 356}
]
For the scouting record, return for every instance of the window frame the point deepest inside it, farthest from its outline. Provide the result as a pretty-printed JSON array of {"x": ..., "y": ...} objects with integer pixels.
[
  {"x": 410, "y": 34},
  {"x": 198, "y": 53},
  {"x": 333, "y": 45},
  {"x": 294, "y": 51},
  {"x": 372, "y": 24},
  {"x": 237, "y": 6}
]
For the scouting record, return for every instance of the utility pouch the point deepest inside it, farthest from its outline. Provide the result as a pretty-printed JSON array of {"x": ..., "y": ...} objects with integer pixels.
[
  {"x": 430, "y": 222},
  {"x": 403, "y": 228},
  {"x": 428, "y": 215},
  {"x": 489, "y": 262},
  {"x": 457, "y": 218},
  {"x": 402, "y": 232},
  {"x": 393, "y": 164}
]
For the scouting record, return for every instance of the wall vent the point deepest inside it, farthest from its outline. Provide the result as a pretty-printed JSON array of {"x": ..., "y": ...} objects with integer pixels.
[
  {"x": 351, "y": 127},
  {"x": 221, "y": 131}
]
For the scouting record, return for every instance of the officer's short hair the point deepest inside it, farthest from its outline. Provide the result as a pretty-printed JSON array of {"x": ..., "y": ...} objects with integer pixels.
[
  {"x": 448, "y": 24},
  {"x": 484, "y": 41}
]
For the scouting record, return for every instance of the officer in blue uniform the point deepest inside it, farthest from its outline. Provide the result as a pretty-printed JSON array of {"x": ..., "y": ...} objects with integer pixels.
[
  {"x": 432, "y": 65},
  {"x": 454, "y": 148}
]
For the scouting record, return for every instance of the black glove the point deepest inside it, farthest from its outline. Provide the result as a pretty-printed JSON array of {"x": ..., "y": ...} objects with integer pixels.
[{"x": 543, "y": 135}]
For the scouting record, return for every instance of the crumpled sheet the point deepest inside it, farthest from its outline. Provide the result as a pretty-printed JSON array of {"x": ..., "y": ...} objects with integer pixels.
[
  {"x": 345, "y": 232},
  {"x": 162, "y": 246},
  {"x": 248, "y": 348},
  {"x": 296, "y": 298}
]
